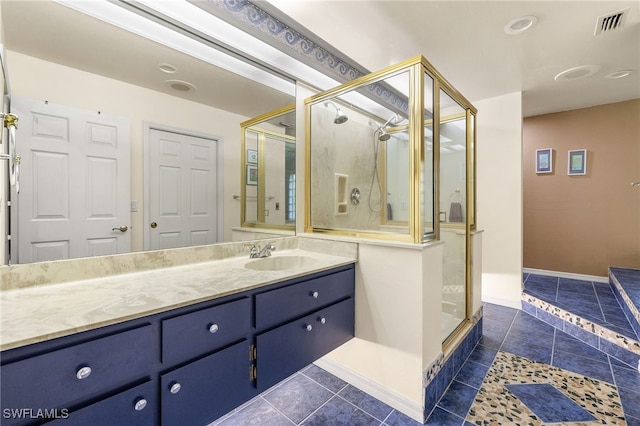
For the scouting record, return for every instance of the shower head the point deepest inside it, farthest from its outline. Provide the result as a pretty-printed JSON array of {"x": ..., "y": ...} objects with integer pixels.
[
  {"x": 340, "y": 117},
  {"x": 384, "y": 136}
]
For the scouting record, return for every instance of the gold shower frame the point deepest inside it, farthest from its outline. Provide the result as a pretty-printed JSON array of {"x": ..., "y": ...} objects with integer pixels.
[
  {"x": 252, "y": 125},
  {"x": 417, "y": 67}
]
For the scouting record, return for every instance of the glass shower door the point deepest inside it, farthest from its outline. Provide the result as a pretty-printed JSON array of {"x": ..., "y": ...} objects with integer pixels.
[{"x": 452, "y": 214}]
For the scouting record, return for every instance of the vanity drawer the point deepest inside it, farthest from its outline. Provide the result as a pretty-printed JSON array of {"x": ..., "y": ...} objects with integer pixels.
[
  {"x": 137, "y": 406},
  {"x": 197, "y": 333},
  {"x": 285, "y": 303},
  {"x": 66, "y": 376}
]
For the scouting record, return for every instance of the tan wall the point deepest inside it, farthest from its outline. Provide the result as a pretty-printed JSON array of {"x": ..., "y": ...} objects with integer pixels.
[{"x": 583, "y": 224}]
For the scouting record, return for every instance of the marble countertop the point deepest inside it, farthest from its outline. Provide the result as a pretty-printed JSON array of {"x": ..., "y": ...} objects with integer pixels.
[{"x": 39, "y": 313}]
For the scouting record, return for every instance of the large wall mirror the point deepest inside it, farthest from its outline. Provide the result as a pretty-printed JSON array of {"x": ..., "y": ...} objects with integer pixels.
[
  {"x": 268, "y": 174},
  {"x": 105, "y": 71}
]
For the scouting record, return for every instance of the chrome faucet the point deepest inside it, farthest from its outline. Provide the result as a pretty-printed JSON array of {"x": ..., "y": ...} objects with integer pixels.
[{"x": 261, "y": 252}]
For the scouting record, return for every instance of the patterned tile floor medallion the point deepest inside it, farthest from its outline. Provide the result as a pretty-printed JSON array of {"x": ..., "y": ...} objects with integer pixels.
[{"x": 553, "y": 396}]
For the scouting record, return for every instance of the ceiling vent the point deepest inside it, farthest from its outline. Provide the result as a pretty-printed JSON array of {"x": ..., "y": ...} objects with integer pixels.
[{"x": 611, "y": 21}]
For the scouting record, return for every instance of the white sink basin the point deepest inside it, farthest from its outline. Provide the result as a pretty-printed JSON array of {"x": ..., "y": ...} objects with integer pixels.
[{"x": 279, "y": 263}]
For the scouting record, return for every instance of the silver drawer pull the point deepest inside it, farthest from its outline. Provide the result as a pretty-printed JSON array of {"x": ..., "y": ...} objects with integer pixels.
[
  {"x": 140, "y": 404},
  {"x": 314, "y": 294},
  {"x": 83, "y": 373},
  {"x": 322, "y": 320},
  {"x": 175, "y": 387},
  {"x": 309, "y": 327},
  {"x": 213, "y": 328}
]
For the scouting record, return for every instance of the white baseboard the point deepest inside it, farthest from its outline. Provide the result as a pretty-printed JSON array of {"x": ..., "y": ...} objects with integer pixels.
[
  {"x": 394, "y": 400},
  {"x": 516, "y": 304},
  {"x": 568, "y": 275}
]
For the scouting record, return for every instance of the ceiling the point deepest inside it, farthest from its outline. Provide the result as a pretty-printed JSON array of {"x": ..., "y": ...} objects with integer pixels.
[
  {"x": 464, "y": 40},
  {"x": 56, "y": 33}
]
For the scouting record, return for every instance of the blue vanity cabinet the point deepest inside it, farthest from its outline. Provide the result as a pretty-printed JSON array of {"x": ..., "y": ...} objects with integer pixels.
[
  {"x": 204, "y": 390},
  {"x": 187, "y": 366},
  {"x": 61, "y": 378},
  {"x": 326, "y": 323}
]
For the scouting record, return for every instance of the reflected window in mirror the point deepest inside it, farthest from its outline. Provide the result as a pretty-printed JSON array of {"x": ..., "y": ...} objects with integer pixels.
[{"x": 268, "y": 186}]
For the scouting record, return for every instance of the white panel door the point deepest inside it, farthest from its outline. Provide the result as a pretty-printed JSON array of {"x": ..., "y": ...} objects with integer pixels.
[
  {"x": 182, "y": 190},
  {"x": 74, "y": 182}
]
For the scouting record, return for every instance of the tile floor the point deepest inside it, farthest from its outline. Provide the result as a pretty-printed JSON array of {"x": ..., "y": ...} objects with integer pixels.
[
  {"x": 597, "y": 301},
  {"x": 523, "y": 371}
]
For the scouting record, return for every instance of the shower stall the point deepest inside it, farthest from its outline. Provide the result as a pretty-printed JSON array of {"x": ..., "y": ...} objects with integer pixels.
[{"x": 390, "y": 156}]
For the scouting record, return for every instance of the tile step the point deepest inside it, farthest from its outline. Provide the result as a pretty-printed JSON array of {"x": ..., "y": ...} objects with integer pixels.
[
  {"x": 625, "y": 284},
  {"x": 614, "y": 344}
]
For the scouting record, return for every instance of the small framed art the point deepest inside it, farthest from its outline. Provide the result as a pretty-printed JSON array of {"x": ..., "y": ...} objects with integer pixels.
[
  {"x": 252, "y": 175},
  {"x": 577, "y": 164},
  {"x": 544, "y": 160},
  {"x": 252, "y": 156}
]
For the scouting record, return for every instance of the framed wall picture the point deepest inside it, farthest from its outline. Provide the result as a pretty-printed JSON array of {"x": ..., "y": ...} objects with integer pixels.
[
  {"x": 544, "y": 160},
  {"x": 252, "y": 175},
  {"x": 577, "y": 164},
  {"x": 252, "y": 156}
]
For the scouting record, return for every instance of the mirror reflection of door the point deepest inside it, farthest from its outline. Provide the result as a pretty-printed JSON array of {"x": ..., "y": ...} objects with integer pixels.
[
  {"x": 183, "y": 190},
  {"x": 74, "y": 188}
]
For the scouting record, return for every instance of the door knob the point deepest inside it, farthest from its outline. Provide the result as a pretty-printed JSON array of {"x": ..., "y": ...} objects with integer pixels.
[
  {"x": 122, "y": 228},
  {"x": 154, "y": 225}
]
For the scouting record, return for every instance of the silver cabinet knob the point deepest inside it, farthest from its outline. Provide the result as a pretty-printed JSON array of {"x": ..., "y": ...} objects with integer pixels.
[
  {"x": 314, "y": 294},
  {"x": 213, "y": 328},
  {"x": 83, "y": 372},
  {"x": 309, "y": 327},
  {"x": 140, "y": 404},
  {"x": 322, "y": 320},
  {"x": 175, "y": 387}
]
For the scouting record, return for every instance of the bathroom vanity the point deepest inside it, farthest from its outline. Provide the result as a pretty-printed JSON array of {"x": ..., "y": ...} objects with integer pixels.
[{"x": 187, "y": 365}]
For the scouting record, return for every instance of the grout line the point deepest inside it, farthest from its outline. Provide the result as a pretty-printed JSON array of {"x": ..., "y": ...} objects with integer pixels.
[
  {"x": 553, "y": 345},
  {"x": 321, "y": 385},
  {"x": 366, "y": 412},
  {"x": 278, "y": 411},
  {"x": 389, "y": 415},
  {"x": 599, "y": 304},
  {"x": 557, "y": 288}
]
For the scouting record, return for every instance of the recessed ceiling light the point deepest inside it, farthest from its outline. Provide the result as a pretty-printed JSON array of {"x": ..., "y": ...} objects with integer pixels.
[
  {"x": 521, "y": 24},
  {"x": 180, "y": 86},
  {"x": 577, "y": 73},
  {"x": 618, "y": 74},
  {"x": 168, "y": 68}
]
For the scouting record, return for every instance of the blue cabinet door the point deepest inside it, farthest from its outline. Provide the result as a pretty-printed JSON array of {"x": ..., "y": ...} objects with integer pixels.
[
  {"x": 283, "y": 351},
  {"x": 137, "y": 406},
  {"x": 204, "y": 390},
  {"x": 288, "y": 348},
  {"x": 333, "y": 327}
]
